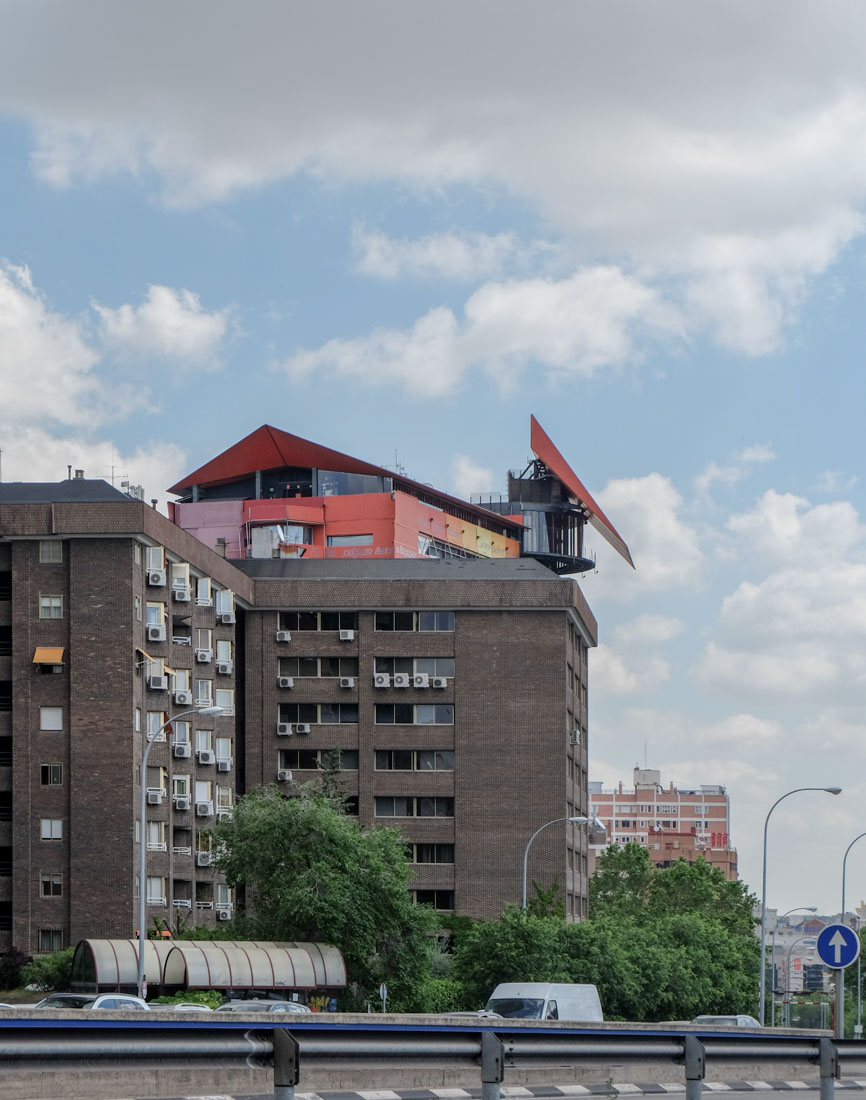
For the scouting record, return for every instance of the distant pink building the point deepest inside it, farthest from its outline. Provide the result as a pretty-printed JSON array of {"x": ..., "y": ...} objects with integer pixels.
[{"x": 671, "y": 823}]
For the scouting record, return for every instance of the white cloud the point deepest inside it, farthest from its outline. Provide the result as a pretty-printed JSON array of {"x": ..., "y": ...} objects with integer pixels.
[
  {"x": 441, "y": 255},
  {"x": 785, "y": 529},
  {"x": 616, "y": 672},
  {"x": 573, "y": 326},
  {"x": 664, "y": 546},
  {"x": 737, "y": 468},
  {"x": 471, "y": 478},
  {"x": 170, "y": 324},
  {"x": 649, "y": 630},
  {"x": 648, "y": 148}
]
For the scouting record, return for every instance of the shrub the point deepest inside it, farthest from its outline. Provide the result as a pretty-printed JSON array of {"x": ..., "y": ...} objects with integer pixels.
[{"x": 49, "y": 973}]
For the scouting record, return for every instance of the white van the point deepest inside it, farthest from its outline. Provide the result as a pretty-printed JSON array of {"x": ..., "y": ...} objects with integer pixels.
[{"x": 545, "y": 1001}]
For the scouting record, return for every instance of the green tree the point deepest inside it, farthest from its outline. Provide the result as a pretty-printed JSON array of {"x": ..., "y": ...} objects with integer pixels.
[
  {"x": 621, "y": 882},
  {"x": 49, "y": 972},
  {"x": 311, "y": 873}
]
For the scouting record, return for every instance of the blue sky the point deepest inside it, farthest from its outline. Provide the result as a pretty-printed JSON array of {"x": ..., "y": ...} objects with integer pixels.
[{"x": 400, "y": 229}]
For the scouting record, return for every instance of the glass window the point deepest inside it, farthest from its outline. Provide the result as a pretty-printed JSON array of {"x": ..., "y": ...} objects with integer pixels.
[
  {"x": 434, "y": 666},
  {"x": 435, "y": 620},
  {"x": 50, "y": 551},
  {"x": 203, "y": 693},
  {"x": 350, "y": 540},
  {"x": 136, "y": 603},
  {"x": 223, "y": 650},
  {"x": 155, "y": 720},
  {"x": 180, "y": 785},
  {"x": 51, "y": 886},
  {"x": 51, "y": 718},
  {"x": 50, "y": 940},
  {"x": 223, "y": 748},
  {"x": 155, "y": 614},
  {"x": 225, "y": 698},
  {"x": 203, "y": 790},
  {"x": 180, "y": 574},
  {"x": 203, "y": 636},
  {"x": 51, "y": 775},
  {"x": 51, "y": 828},
  {"x": 155, "y": 557},
  {"x": 225, "y": 601},
  {"x": 203, "y": 740},
  {"x": 439, "y": 899},
  {"x": 50, "y": 607},
  {"x": 181, "y": 732},
  {"x": 203, "y": 592},
  {"x": 155, "y": 890}
]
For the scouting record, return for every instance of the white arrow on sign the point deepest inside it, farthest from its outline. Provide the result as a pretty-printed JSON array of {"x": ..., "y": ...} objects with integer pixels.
[{"x": 838, "y": 941}]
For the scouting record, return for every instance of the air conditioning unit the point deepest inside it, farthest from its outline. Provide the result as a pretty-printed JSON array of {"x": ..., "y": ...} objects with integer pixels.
[
  {"x": 224, "y": 668},
  {"x": 439, "y": 682},
  {"x": 347, "y": 635},
  {"x": 224, "y": 765},
  {"x": 224, "y": 815},
  {"x": 155, "y": 632},
  {"x": 183, "y": 697},
  {"x": 381, "y": 680},
  {"x": 204, "y": 656},
  {"x": 284, "y": 636},
  {"x": 154, "y": 797},
  {"x": 421, "y": 680},
  {"x": 227, "y": 617},
  {"x": 285, "y": 682},
  {"x": 284, "y": 776},
  {"x": 182, "y": 595},
  {"x": 224, "y": 914},
  {"x": 302, "y": 727},
  {"x": 181, "y": 801},
  {"x": 205, "y": 756},
  {"x": 401, "y": 679},
  {"x": 157, "y": 683},
  {"x": 284, "y": 729},
  {"x": 347, "y": 681},
  {"x": 204, "y": 809},
  {"x": 202, "y": 859},
  {"x": 183, "y": 750},
  {"x": 156, "y": 577}
]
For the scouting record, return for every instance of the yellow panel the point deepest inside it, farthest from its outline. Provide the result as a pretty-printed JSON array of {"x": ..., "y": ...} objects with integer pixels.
[{"x": 44, "y": 656}]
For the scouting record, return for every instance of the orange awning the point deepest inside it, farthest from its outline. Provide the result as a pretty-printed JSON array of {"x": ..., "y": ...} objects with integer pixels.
[{"x": 46, "y": 656}]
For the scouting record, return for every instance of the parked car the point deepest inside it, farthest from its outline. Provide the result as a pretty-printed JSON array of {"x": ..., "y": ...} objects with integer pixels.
[
  {"x": 263, "y": 1006},
  {"x": 545, "y": 1001},
  {"x": 93, "y": 1000},
  {"x": 187, "y": 1006},
  {"x": 727, "y": 1021}
]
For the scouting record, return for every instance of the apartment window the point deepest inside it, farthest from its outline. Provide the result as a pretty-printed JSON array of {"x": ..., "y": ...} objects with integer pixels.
[
  {"x": 51, "y": 718},
  {"x": 222, "y": 895},
  {"x": 415, "y": 620},
  {"x": 203, "y": 693},
  {"x": 50, "y": 551},
  {"x": 443, "y": 900},
  {"x": 417, "y": 760},
  {"x": 180, "y": 785},
  {"x": 318, "y": 620},
  {"x": 50, "y": 940},
  {"x": 50, "y": 607},
  {"x": 223, "y": 748},
  {"x": 433, "y": 666},
  {"x": 136, "y": 603},
  {"x": 414, "y": 807},
  {"x": 155, "y": 614},
  {"x": 203, "y": 638},
  {"x": 155, "y": 721},
  {"x": 203, "y": 740},
  {"x": 155, "y": 557},
  {"x": 203, "y": 592},
  {"x": 224, "y": 650},
  {"x": 431, "y": 853},
  {"x": 225, "y": 601},
  {"x": 310, "y": 759},
  {"x": 51, "y": 828},
  {"x": 225, "y": 698},
  {"x": 326, "y": 714},
  {"x": 51, "y": 775},
  {"x": 181, "y": 679},
  {"x": 204, "y": 793},
  {"x": 51, "y": 886},
  {"x": 180, "y": 574},
  {"x": 350, "y": 540},
  {"x": 181, "y": 732},
  {"x": 324, "y": 667},
  {"x": 155, "y": 890},
  {"x": 419, "y": 714},
  {"x": 136, "y": 553},
  {"x": 156, "y": 836},
  {"x": 224, "y": 798}
]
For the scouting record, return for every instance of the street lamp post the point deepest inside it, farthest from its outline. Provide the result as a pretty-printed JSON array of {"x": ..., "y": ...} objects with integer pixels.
[
  {"x": 142, "y": 865},
  {"x": 796, "y": 909},
  {"x": 576, "y": 820},
  {"x": 840, "y": 975},
  {"x": 762, "y": 999}
]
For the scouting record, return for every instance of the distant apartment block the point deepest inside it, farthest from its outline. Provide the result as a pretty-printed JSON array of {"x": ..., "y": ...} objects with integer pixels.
[{"x": 671, "y": 823}]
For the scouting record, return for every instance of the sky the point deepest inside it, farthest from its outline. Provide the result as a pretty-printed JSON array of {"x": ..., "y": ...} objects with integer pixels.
[{"x": 399, "y": 229}]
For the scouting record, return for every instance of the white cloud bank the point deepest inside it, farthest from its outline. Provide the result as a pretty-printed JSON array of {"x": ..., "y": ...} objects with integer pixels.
[{"x": 719, "y": 154}]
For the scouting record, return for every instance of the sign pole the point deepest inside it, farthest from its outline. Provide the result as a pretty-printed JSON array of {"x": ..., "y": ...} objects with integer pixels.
[{"x": 839, "y": 1030}]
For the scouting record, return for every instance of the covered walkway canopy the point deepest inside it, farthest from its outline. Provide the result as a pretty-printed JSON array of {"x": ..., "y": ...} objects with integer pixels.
[{"x": 112, "y": 965}]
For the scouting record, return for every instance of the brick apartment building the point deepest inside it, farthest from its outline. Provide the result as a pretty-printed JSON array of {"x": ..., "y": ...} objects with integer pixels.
[
  {"x": 671, "y": 823},
  {"x": 450, "y": 671}
]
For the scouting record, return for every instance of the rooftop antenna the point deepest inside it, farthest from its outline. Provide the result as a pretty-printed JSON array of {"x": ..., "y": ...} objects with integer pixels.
[{"x": 644, "y": 755}]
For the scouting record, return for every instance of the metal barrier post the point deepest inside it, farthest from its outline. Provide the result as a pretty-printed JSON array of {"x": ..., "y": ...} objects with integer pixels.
[
  {"x": 287, "y": 1069},
  {"x": 696, "y": 1064},
  {"x": 493, "y": 1066},
  {"x": 829, "y": 1063}
]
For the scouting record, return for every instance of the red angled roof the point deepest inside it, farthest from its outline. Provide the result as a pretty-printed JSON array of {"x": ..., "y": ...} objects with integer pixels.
[
  {"x": 544, "y": 449},
  {"x": 269, "y": 448}
]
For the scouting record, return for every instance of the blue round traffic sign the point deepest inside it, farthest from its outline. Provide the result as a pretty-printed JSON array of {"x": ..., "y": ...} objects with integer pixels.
[{"x": 838, "y": 946}]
